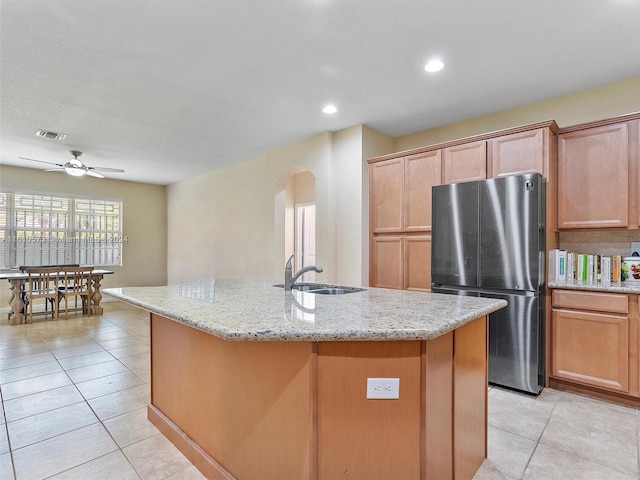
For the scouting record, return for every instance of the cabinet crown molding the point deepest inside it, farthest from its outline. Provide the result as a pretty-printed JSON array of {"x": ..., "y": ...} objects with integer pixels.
[{"x": 550, "y": 124}]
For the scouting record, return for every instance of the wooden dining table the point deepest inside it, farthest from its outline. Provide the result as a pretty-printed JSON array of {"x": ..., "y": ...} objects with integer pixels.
[{"x": 17, "y": 281}]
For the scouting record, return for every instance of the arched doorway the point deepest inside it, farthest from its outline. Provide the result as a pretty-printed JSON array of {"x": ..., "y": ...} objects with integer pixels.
[{"x": 294, "y": 209}]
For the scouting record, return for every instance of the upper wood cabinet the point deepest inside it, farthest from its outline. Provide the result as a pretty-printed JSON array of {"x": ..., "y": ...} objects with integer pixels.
[
  {"x": 594, "y": 170},
  {"x": 401, "y": 192},
  {"x": 386, "y": 184},
  {"x": 465, "y": 163},
  {"x": 421, "y": 172},
  {"x": 522, "y": 152}
]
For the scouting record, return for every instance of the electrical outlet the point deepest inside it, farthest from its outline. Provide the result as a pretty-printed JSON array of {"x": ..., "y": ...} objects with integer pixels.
[
  {"x": 635, "y": 248},
  {"x": 383, "y": 388}
]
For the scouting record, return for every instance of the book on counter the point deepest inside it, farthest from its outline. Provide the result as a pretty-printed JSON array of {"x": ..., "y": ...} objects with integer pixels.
[
  {"x": 605, "y": 277},
  {"x": 571, "y": 267},
  {"x": 616, "y": 263},
  {"x": 584, "y": 268},
  {"x": 557, "y": 265}
]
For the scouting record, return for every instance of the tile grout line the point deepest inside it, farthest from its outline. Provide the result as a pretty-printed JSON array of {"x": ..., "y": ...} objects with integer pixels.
[
  {"x": 6, "y": 429},
  {"x": 596, "y": 401},
  {"x": 100, "y": 421},
  {"x": 85, "y": 401},
  {"x": 540, "y": 437}
]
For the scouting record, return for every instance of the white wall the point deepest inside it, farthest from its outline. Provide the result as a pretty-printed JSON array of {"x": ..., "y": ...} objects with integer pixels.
[
  {"x": 228, "y": 222},
  {"x": 606, "y": 101}
]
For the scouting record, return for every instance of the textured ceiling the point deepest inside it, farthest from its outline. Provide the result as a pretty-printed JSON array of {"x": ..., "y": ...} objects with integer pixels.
[{"x": 170, "y": 89}]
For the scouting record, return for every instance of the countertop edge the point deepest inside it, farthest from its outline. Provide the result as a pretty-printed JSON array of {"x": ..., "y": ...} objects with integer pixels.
[
  {"x": 634, "y": 290},
  {"x": 380, "y": 334}
]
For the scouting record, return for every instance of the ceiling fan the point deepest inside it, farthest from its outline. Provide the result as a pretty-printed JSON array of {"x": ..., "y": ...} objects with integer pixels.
[{"x": 75, "y": 167}]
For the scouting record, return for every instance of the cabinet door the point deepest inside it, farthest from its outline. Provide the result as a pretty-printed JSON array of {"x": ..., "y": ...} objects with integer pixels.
[
  {"x": 417, "y": 263},
  {"x": 465, "y": 163},
  {"x": 521, "y": 152},
  {"x": 421, "y": 172},
  {"x": 387, "y": 262},
  {"x": 590, "y": 348},
  {"x": 593, "y": 178},
  {"x": 387, "y": 191}
]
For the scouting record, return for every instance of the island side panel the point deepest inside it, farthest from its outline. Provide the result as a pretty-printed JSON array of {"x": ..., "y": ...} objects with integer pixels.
[
  {"x": 437, "y": 423},
  {"x": 362, "y": 438},
  {"x": 248, "y": 405},
  {"x": 470, "y": 398}
]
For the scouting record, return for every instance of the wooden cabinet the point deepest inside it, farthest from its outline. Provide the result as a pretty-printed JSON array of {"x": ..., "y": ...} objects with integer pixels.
[
  {"x": 521, "y": 152},
  {"x": 594, "y": 170},
  {"x": 401, "y": 192},
  {"x": 465, "y": 163},
  {"x": 401, "y": 262},
  {"x": 400, "y": 199},
  {"x": 590, "y": 339},
  {"x": 400, "y": 209},
  {"x": 386, "y": 269},
  {"x": 421, "y": 172},
  {"x": 386, "y": 183},
  {"x": 417, "y": 263}
]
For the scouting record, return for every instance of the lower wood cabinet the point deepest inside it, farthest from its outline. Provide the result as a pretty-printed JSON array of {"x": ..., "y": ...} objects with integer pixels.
[
  {"x": 386, "y": 262},
  {"x": 594, "y": 342},
  {"x": 417, "y": 263},
  {"x": 401, "y": 262},
  {"x": 591, "y": 348}
]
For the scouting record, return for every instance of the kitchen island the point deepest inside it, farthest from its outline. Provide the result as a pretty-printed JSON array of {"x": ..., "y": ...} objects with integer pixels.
[{"x": 250, "y": 381}]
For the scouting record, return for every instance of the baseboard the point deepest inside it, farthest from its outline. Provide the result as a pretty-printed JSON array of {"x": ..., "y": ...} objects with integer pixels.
[{"x": 198, "y": 457}]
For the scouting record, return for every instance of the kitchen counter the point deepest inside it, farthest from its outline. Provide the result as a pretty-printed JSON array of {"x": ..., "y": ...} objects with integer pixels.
[
  {"x": 249, "y": 381},
  {"x": 256, "y": 310},
  {"x": 613, "y": 288}
]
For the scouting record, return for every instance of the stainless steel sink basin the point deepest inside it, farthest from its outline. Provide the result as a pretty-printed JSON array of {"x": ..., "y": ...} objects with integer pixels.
[{"x": 322, "y": 289}]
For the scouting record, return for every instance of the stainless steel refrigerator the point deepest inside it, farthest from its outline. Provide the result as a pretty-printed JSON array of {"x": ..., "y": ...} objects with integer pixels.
[{"x": 488, "y": 239}]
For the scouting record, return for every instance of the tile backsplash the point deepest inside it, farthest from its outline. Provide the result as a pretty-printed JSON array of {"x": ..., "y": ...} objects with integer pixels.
[{"x": 602, "y": 242}]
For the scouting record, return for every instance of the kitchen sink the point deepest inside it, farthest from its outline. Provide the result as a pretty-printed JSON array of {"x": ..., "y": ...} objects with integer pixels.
[{"x": 322, "y": 289}]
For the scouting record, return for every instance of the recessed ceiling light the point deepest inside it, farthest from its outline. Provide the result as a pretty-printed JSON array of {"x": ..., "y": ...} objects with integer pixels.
[
  {"x": 434, "y": 66},
  {"x": 330, "y": 109}
]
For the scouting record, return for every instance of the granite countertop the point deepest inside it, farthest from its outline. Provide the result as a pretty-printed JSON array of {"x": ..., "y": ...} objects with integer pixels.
[
  {"x": 623, "y": 287},
  {"x": 256, "y": 310}
]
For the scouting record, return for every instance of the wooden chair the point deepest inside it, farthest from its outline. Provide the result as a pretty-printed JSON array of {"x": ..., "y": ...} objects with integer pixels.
[
  {"x": 42, "y": 283},
  {"x": 76, "y": 282}
]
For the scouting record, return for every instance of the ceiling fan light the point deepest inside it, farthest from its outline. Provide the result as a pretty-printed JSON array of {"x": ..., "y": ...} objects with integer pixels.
[{"x": 74, "y": 171}]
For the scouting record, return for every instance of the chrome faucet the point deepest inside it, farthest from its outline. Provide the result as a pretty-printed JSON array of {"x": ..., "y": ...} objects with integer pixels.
[{"x": 290, "y": 278}]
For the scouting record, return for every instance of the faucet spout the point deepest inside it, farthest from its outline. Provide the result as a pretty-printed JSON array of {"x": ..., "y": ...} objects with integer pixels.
[{"x": 290, "y": 278}]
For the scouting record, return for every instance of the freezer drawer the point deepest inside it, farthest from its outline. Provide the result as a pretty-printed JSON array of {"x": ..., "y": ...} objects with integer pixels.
[
  {"x": 516, "y": 343},
  {"x": 516, "y": 338}
]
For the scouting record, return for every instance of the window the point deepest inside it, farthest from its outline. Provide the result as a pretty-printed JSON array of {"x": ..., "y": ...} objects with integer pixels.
[{"x": 51, "y": 229}]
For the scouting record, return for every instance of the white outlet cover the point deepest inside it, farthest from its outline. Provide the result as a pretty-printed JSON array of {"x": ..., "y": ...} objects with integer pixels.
[
  {"x": 635, "y": 247},
  {"x": 383, "y": 388}
]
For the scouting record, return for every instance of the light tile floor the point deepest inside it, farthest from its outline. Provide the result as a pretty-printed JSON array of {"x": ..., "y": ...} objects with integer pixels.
[{"x": 74, "y": 395}]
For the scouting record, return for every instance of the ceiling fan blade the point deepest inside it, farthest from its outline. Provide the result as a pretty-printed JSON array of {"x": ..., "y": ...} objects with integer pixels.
[
  {"x": 55, "y": 169},
  {"x": 106, "y": 169},
  {"x": 90, "y": 171},
  {"x": 40, "y": 161}
]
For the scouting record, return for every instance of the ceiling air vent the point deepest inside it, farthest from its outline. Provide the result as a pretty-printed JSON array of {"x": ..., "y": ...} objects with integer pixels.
[{"x": 51, "y": 135}]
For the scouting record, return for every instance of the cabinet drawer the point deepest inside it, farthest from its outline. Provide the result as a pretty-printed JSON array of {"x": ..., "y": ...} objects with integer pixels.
[{"x": 602, "y": 302}]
